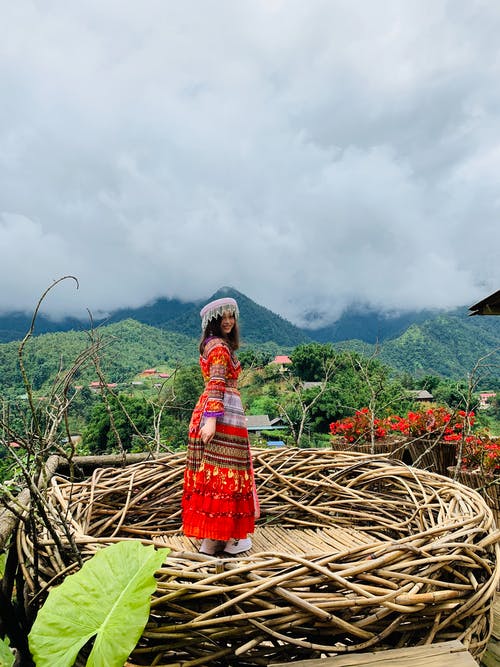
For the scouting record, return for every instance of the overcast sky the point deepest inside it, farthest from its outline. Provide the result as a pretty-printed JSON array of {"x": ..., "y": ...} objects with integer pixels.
[{"x": 310, "y": 153}]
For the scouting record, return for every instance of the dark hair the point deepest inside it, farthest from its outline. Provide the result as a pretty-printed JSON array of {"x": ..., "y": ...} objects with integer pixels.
[{"x": 213, "y": 328}]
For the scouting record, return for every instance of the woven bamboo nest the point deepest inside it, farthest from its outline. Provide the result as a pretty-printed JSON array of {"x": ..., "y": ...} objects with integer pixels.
[{"x": 353, "y": 552}]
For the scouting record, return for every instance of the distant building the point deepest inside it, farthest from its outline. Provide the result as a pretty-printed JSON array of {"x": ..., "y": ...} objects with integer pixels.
[
  {"x": 421, "y": 395},
  {"x": 311, "y": 385},
  {"x": 485, "y": 399},
  {"x": 97, "y": 385},
  {"x": 149, "y": 371},
  {"x": 257, "y": 423},
  {"x": 282, "y": 361}
]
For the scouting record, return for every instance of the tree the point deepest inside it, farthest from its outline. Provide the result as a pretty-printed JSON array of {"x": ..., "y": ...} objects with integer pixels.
[
  {"x": 254, "y": 358},
  {"x": 298, "y": 411},
  {"x": 183, "y": 391},
  {"x": 310, "y": 359},
  {"x": 115, "y": 421}
]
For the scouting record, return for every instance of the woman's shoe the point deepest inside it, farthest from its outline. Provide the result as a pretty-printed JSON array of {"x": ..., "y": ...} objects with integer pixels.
[
  {"x": 237, "y": 546},
  {"x": 211, "y": 547}
]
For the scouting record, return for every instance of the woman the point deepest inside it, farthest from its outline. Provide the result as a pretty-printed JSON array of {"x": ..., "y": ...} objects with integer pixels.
[{"x": 219, "y": 503}]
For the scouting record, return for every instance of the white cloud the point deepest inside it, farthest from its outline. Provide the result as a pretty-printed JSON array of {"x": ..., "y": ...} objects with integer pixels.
[{"x": 311, "y": 155}]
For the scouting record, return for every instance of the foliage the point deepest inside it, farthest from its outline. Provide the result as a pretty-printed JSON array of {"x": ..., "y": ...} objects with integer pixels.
[
  {"x": 494, "y": 409},
  {"x": 108, "y": 595},
  {"x": 355, "y": 382},
  {"x": 127, "y": 422},
  {"x": 264, "y": 405},
  {"x": 114, "y": 423},
  {"x": 251, "y": 357},
  {"x": 310, "y": 359},
  {"x": 7, "y": 658},
  {"x": 173, "y": 434},
  {"x": 183, "y": 392}
]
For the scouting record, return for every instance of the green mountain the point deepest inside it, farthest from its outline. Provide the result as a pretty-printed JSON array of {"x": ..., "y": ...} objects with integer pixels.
[
  {"x": 448, "y": 344},
  {"x": 258, "y": 324},
  {"x": 369, "y": 326}
]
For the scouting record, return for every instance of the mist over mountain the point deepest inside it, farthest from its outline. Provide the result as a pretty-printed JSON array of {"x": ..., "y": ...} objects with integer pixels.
[
  {"x": 445, "y": 343},
  {"x": 369, "y": 326},
  {"x": 258, "y": 323}
]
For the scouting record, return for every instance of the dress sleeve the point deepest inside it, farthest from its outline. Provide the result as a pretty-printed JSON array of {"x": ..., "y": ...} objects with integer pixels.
[{"x": 218, "y": 360}]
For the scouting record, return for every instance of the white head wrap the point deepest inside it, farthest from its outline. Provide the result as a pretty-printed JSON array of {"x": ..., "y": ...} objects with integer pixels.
[{"x": 217, "y": 308}]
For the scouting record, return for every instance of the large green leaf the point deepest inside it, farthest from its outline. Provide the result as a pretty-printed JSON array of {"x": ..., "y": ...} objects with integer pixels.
[{"x": 109, "y": 598}]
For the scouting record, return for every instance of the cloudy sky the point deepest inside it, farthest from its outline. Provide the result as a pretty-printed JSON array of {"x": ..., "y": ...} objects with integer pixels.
[{"x": 311, "y": 154}]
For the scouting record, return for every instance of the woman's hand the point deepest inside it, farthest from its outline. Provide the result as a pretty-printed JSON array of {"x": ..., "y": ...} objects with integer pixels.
[{"x": 207, "y": 431}]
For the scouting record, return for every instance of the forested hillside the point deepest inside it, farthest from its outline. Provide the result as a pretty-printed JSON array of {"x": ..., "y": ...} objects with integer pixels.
[
  {"x": 448, "y": 345},
  {"x": 445, "y": 344},
  {"x": 128, "y": 347}
]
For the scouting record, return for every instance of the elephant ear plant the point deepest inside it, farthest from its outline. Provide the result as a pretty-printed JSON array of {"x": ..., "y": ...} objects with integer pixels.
[{"x": 107, "y": 601}]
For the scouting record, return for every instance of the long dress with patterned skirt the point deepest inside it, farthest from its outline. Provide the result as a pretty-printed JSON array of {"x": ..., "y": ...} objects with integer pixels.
[{"x": 218, "y": 499}]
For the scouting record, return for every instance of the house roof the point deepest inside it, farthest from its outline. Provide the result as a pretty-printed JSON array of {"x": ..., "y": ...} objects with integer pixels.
[
  {"x": 488, "y": 306},
  {"x": 257, "y": 422},
  {"x": 421, "y": 395},
  {"x": 311, "y": 385},
  {"x": 281, "y": 359}
]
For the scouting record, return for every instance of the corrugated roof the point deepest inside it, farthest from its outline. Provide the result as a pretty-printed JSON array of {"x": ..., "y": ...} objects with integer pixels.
[
  {"x": 258, "y": 421},
  {"x": 488, "y": 306}
]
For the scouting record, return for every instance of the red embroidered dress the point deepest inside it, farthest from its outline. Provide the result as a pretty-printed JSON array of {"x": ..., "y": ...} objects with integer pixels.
[{"x": 218, "y": 500}]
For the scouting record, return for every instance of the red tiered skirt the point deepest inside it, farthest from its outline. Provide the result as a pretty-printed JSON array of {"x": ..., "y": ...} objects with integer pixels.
[{"x": 218, "y": 500}]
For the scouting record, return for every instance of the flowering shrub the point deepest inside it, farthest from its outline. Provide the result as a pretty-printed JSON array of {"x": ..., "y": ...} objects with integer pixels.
[
  {"x": 436, "y": 421},
  {"x": 359, "y": 427},
  {"x": 480, "y": 452}
]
